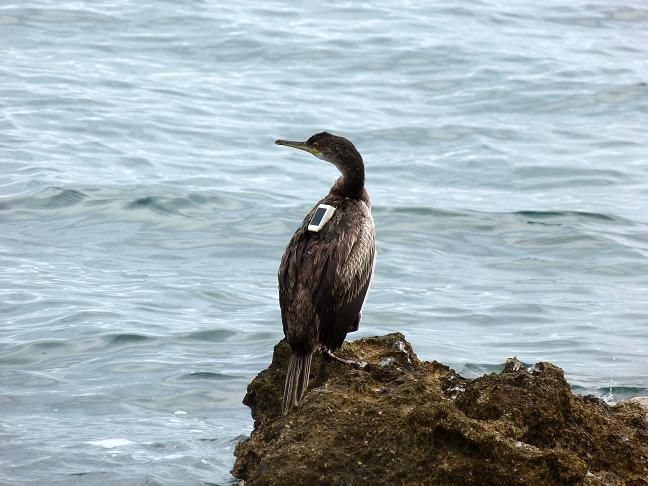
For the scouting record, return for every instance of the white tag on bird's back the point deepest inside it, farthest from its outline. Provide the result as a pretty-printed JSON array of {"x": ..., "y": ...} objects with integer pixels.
[{"x": 322, "y": 214}]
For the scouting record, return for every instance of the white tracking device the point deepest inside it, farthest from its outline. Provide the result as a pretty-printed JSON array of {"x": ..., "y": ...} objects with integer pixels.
[{"x": 322, "y": 214}]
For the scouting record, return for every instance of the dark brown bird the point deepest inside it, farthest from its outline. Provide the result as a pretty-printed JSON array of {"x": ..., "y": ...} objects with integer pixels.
[{"x": 326, "y": 267}]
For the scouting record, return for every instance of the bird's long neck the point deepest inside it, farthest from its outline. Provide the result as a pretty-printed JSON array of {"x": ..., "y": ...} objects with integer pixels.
[{"x": 351, "y": 183}]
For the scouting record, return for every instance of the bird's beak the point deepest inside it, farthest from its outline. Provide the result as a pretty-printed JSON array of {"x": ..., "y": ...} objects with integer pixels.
[{"x": 299, "y": 145}]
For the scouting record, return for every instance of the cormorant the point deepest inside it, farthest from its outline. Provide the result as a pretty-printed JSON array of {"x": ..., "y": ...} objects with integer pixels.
[{"x": 326, "y": 267}]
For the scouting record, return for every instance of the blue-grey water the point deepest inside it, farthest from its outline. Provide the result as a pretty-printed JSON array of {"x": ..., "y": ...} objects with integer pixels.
[{"x": 144, "y": 207}]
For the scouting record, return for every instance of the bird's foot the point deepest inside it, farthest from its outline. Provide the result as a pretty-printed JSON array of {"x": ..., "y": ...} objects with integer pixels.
[{"x": 356, "y": 364}]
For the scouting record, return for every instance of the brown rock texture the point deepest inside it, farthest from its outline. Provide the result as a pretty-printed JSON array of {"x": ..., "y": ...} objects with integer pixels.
[{"x": 400, "y": 420}]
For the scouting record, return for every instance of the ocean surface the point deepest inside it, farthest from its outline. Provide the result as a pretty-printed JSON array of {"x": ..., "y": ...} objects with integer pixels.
[{"x": 144, "y": 207}]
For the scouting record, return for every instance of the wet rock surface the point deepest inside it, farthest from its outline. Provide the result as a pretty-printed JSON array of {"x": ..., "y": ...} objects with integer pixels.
[{"x": 400, "y": 420}]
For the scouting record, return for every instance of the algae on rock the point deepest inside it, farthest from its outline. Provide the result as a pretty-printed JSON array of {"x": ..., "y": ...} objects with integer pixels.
[{"x": 400, "y": 420}]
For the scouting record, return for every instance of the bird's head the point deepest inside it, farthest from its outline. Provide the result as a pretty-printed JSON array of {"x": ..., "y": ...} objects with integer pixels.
[{"x": 336, "y": 150}]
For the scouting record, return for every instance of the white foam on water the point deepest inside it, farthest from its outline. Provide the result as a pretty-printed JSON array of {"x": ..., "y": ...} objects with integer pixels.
[{"x": 110, "y": 443}]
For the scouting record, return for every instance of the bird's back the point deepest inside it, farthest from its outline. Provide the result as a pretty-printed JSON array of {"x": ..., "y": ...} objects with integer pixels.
[{"x": 324, "y": 276}]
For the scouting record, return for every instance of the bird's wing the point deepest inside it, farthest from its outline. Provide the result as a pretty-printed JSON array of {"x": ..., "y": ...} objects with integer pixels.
[
  {"x": 297, "y": 270},
  {"x": 333, "y": 267},
  {"x": 348, "y": 254}
]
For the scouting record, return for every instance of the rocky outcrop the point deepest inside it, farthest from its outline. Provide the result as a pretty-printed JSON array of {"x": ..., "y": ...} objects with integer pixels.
[{"x": 399, "y": 420}]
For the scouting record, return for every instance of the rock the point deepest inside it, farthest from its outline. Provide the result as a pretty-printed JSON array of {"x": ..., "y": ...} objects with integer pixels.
[
  {"x": 643, "y": 401},
  {"x": 400, "y": 420}
]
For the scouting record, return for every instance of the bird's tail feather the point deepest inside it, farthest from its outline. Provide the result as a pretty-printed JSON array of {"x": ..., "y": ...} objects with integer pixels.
[{"x": 296, "y": 380}]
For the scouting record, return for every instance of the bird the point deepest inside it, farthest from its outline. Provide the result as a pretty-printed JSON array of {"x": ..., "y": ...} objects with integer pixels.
[{"x": 327, "y": 265}]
